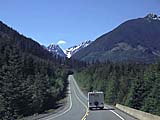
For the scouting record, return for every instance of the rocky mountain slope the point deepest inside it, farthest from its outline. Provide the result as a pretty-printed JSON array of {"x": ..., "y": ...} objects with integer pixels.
[
  {"x": 72, "y": 50},
  {"x": 56, "y": 50},
  {"x": 134, "y": 40}
]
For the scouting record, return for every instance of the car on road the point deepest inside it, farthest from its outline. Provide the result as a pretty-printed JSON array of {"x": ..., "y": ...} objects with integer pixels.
[{"x": 95, "y": 100}]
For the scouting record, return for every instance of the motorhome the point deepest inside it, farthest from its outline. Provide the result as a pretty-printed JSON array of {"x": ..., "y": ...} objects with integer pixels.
[{"x": 95, "y": 100}]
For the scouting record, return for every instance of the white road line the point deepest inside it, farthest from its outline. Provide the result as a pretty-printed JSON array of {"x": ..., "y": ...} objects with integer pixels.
[
  {"x": 82, "y": 104},
  {"x": 70, "y": 97},
  {"x": 117, "y": 114},
  {"x": 80, "y": 99},
  {"x": 79, "y": 88},
  {"x": 108, "y": 107},
  {"x": 65, "y": 110},
  {"x": 86, "y": 98}
]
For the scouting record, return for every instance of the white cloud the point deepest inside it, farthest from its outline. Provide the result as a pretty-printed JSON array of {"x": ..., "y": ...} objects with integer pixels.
[{"x": 61, "y": 42}]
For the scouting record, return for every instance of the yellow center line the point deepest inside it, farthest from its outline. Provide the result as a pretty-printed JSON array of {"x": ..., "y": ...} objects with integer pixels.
[{"x": 87, "y": 111}]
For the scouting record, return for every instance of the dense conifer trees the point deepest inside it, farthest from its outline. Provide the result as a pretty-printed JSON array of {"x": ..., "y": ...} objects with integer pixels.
[
  {"x": 28, "y": 84},
  {"x": 132, "y": 84}
]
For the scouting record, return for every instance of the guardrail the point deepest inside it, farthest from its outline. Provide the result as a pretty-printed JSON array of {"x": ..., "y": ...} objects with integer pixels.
[{"x": 137, "y": 113}]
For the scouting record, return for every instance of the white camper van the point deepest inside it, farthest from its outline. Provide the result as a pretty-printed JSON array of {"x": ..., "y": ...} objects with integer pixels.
[{"x": 95, "y": 100}]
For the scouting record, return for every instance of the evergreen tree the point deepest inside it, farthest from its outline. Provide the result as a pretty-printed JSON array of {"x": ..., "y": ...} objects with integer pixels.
[
  {"x": 10, "y": 77},
  {"x": 136, "y": 96},
  {"x": 111, "y": 91}
]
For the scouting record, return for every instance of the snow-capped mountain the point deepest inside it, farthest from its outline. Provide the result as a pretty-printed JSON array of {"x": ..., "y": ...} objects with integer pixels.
[
  {"x": 152, "y": 16},
  {"x": 72, "y": 50},
  {"x": 56, "y": 50},
  {"x": 135, "y": 40}
]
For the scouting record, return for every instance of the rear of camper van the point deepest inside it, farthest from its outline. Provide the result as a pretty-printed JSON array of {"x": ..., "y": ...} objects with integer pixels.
[{"x": 95, "y": 100}]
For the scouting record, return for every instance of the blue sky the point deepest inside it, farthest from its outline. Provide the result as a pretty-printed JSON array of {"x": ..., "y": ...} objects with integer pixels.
[{"x": 71, "y": 21}]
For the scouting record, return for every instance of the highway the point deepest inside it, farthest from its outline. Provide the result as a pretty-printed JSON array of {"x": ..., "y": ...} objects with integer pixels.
[{"x": 76, "y": 108}]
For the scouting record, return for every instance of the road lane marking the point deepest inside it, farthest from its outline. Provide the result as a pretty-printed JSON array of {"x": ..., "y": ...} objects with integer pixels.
[
  {"x": 79, "y": 88},
  {"x": 70, "y": 99},
  {"x": 87, "y": 111},
  {"x": 117, "y": 114},
  {"x": 86, "y": 114},
  {"x": 107, "y": 106}
]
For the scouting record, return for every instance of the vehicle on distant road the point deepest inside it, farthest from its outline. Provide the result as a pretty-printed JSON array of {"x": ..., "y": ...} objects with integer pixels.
[{"x": 95, "y": 100}]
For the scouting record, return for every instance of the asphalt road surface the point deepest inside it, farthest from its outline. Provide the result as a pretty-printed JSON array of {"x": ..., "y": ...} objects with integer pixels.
[{"x": 76, "y": 108}]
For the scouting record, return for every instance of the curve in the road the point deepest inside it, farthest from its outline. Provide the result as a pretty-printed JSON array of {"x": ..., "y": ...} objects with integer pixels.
[
  {"x": 84, "y": 117},
  {"x": 75, "y": 83},
  {"x": 86, "y": 99},
  {"x": 80, "y": 109},
  {"x": 70, "y": 99}
]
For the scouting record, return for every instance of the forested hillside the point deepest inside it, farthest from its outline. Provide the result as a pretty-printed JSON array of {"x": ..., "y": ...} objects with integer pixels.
[
  {"x": 135, "y": 40},
  {"x": 32, "y": 80},
  {"x": 131, "y": 84}
]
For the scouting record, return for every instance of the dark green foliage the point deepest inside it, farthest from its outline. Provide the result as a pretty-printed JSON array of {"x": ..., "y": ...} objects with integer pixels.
[
  {"x": 131, "y": 84},
  {"x": 136, "y": 97},
  {"x": 11, "y": 77},
  {"x": 111, "y": 78},
  {"x": 26, "y": 45},
  {"x": 152, "y": 87},
  {"x": 31, "y": 79},
  {"x": 28, "y": 84}
]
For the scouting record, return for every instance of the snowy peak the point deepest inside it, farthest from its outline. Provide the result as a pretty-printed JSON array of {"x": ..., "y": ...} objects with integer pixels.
[
  {"x": 152, "y": 16},
  {"x": 72, "y": 50},
  {"x": 56, "y": 50}
]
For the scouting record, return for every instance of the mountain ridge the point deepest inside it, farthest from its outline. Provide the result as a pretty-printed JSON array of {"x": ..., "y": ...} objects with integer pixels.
[
  {"x": 28, "y": 74},
  {"x": 74, "y": 49},
  {"x": 142, "y": 32},
  {"x": 57, "y": 50}
]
